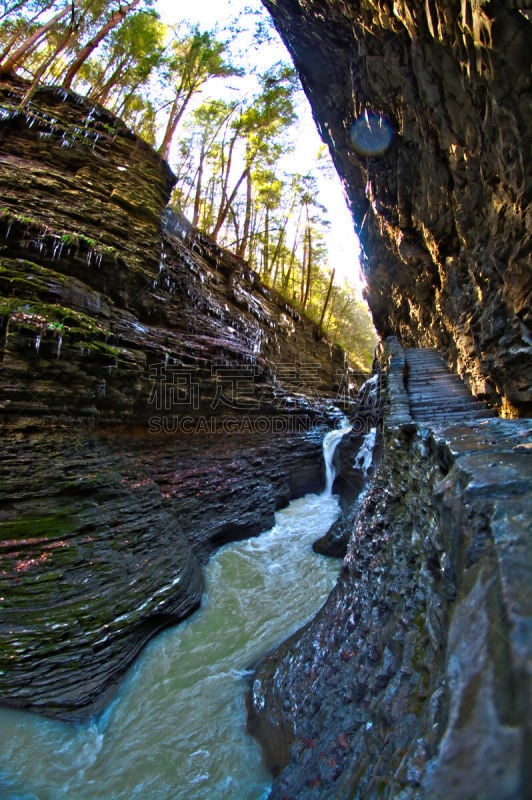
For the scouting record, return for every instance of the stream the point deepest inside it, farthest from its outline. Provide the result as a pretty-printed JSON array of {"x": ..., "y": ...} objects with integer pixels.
[{"x": 177, "y": 728}]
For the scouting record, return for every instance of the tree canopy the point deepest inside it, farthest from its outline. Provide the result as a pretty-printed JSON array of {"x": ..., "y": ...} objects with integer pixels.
[{"x": 230, "y": 149}]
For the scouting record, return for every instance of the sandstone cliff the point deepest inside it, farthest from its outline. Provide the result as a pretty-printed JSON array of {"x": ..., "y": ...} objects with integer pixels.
[
  {"x": 156, "y": 400},
  {"x": 426, "y": 109}
]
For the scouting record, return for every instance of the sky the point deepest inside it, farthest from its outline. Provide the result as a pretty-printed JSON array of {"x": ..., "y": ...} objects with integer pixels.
[{"x": 342, "y": 242}]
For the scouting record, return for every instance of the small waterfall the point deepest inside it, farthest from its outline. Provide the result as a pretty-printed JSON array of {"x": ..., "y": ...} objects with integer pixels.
[
  {"x": 364, "y": 457},
  {"x": 330, "y": 443}
]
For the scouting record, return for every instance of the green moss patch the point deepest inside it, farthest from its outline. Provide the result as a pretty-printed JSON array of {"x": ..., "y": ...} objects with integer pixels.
[{"x": 51, "y": 526}]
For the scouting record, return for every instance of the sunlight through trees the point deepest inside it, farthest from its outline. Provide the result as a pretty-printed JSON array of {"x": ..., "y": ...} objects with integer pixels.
[{"x": 227, "y": 130}]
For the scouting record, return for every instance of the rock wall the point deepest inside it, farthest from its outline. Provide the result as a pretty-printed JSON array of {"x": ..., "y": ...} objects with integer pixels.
[
  {"x": 156, "y": 400},
  {"x": 426, "y": 110},
  {"x": 414, "y": 679}
]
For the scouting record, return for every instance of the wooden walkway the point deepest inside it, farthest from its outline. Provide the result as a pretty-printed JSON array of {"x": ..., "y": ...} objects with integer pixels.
[{"x": 436, "y": 395}]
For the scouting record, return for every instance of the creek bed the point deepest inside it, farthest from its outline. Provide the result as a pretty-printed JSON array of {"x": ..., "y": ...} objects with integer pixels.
[{"x": 177, "y": 728}]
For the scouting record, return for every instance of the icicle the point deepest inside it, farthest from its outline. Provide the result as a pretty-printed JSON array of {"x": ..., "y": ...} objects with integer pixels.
[
  {"x": 59, "y": 343},
  {"x": 57, "y": 250},
  {"x": 37, "y": 342}
]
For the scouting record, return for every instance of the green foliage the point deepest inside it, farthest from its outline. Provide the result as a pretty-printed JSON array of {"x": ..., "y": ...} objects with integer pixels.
[
  {"x": 231, "y": 155},
  {"x": 195, "y": 58},
  {"x": 77, "y": 239}
]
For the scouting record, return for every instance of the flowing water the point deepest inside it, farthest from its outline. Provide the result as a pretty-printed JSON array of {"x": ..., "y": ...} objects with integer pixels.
[
  {"x": 176, "y": 731},
  {"x": 330, "y": 443}
]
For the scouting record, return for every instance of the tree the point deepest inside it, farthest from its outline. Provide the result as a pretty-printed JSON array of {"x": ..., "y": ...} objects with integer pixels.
[
  {"x": 55, "y": 51},
  {"x": 259, "y": 128},
  {"x": 13, "y": 59},
  {"x": 131, "y": 53},
  {"x": 115, "y": 19},
  {"x": 327, "y": 298},
  {"x": 16, "y": 26},
  {"x": 268, "y": 193},
  {"x": 195, "y": 59}
]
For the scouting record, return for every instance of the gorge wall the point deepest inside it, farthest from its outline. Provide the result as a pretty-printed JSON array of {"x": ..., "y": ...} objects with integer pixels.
[
  {"x": 426, "y": 109},
  {"x": 414, "y": 679},
  {"x": 156, "y": 400}
]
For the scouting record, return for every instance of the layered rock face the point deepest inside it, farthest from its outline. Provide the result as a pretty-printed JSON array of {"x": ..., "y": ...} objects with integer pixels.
[
  {"x": 157, "y": 400},
  {"x": 414, "y": 679},
  {"x": 426, "y": 109}
]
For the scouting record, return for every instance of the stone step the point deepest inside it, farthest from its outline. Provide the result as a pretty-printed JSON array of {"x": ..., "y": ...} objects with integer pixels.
[
  {"x": 436, "y": 394},
  {"x": 436, "y": 391},
  {"x": 449, "y": 419},
  {"x": 436, "y": 408},
  {"x": 422, "y": 397}
]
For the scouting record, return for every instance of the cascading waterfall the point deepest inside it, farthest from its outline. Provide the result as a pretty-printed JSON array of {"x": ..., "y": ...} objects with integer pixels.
[
  {"x": 330, "y": 443},
  {"x": 364, "y": 457},
  {"x": 177, "y": 729}
]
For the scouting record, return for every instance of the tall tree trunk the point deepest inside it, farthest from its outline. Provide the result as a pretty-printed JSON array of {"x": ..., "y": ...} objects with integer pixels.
[
  {"x": 236, "y": 226},
  {"x": 292, "y": 262},
  {"x": 309, "y": 267},
  {"x": 303, "y": 269},
  {"x": 266, "y": 248},
  {"x": 225, "y": 169},
  {"x": 276, "y": 255},
  {"x": 101, "y": 93},
  {"x": 247, "y": 219},
  {"x": 208, "y": 208},
  {"x": 44, "y": 67},
  {"x": 7, "y": 66},
  {"x": 331, "y": 307},
  {"x": 251, "y": 239},
  {"x": 199, "y": 187},
  {"x": 89, "y": 48},
  {"x": 224, "y": 209},
  {"x": 176, "y": 113},
  {"x": 327, "y": 298}
]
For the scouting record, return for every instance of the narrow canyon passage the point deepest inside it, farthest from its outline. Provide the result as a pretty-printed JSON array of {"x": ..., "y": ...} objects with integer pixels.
[{"x": 178, "y": 727}]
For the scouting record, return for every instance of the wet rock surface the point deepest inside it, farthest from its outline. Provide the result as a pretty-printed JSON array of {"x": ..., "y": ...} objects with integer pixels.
[
  {"x": 426, "y": 110},
  {"x": 103, "y": 537},
  {"x": 156, "y": 400},
  {"x": 413, "y": 681}
]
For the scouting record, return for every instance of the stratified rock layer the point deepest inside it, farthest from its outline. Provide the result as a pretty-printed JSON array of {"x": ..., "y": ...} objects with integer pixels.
[
  {"x": 442, "y": 211},
  {"x": 414, "y": 680},
  {"x": 156, "y": 401}
]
